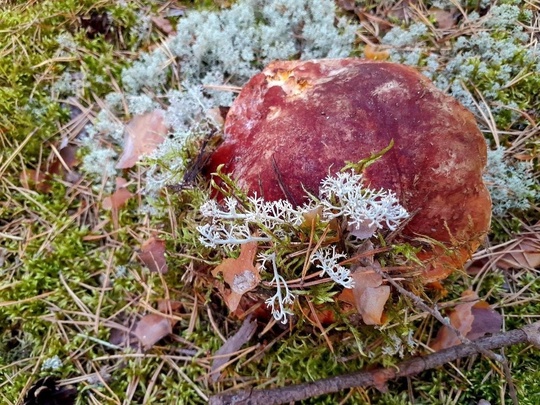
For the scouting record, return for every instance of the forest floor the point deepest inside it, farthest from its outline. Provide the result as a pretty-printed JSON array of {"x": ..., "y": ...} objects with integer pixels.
[{"x": 107, "y": 294}]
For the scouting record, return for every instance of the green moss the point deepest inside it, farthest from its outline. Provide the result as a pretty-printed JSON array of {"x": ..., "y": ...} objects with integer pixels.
[{"x": 51, "y": 283}]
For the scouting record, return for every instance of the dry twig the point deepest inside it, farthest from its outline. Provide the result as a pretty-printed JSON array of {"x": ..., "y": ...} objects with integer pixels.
[{"x": 378, "y": 377}]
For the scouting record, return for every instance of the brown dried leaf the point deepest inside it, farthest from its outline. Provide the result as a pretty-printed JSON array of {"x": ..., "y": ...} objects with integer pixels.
[
  {"x": 152, "y": 254},
  {"x": 233, "y": 344},
  {"x": 370, "y": 304},
  {"x": 312, "y": 217},
  {"x": 117, "y": 199},
  {"x": 151, "y": 329},
  {"x": 523, "y": 157},
  {"x": 143, "y": 135},
  {"x": 35, "y": 180},
  {"x": 525, "y": 254},
  {"x": 368, "y": 295},
  {"x": 322, "y": 316},
  {"x": 486, "y": 320},
  {"x": 215, "y": 115},
  {"x": 119, "y": 337},
  {"x": 68, "y": 154},
  {"x": 348, "y": 5},
  {"x": 522, "y": 252},
  {"x": 473, "y": 318},
  {"x": 240, "y": 274},
  {"x": 445, "y": 19},
  {"x": 167, "y": 306},
  {"x": 164, "y": 25},
  {"x": 371, "y": 52}
]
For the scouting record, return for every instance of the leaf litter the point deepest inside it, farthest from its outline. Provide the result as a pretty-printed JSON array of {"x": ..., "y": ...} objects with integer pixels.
[{"x": 473, "y": 317}]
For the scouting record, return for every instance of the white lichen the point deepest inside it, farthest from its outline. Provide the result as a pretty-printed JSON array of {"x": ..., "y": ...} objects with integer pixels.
[
  {"x": 341, "y": 196},
  {"x": 511, "y": 185},
  {"x": 364, "y": 209},
  {"x": 52, "y": 363},
  {"x": 283, "y": 297},
  {"x": 326, "y": 259}
]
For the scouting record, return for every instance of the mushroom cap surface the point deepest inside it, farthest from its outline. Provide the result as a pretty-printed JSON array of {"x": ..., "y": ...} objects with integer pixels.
[{"x": 299, "y": 121}]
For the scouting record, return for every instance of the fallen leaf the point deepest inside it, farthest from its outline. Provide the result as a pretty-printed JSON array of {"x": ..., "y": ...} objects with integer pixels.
[
  {"x": 163, "y": 25},
  {"x": 402, "y": 10},
  {"x": 251, "y": 304},
  {"x": 168, "y": 306},
  {"x": 368, "y": 295},
  {"x": 240, "y": 274},
  {"x": 152, "y": 254},
  {"x": 143, "y": 135},
  {"x": 119, "y": 337},
  {"x": 35, "y": 180},
  {"x": 444, "y": 19},
  {"x": 371, "y": 52},
  {"x": 312, "y": 217},
  {"x": 348, "y": 5},
  {"x": 117, "y": 199},
  {"x": 371, "y": 303},
  {"x": 486, "y": 320},
  {"x": 380, "y": 380},
  {"x": 323, "y": 316},
  {"x": 64, "y": 161},
  {"x": 232, "y": 345},
  {"x": 48, "y": 390},
  {"x": 215, "y": 115},
  {"x": 523, "y": 156},
  {"x": 96, "y": 24},
  {"x": 474, "y": 318},
  {"x": 151, "y": 329},
  {"x": 524, "y": 254}
]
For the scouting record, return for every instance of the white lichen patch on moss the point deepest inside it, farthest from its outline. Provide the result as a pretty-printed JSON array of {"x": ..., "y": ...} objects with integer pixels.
[
  {"x": 220, "y": 48},
  {"x": 511, "y": 184},
  {"x": 496, "y": 52},
  {"x": 341, "y": 197}
]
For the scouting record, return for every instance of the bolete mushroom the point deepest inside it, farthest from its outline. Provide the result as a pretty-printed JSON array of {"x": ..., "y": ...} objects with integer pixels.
[{"x": 298, "y": 121}]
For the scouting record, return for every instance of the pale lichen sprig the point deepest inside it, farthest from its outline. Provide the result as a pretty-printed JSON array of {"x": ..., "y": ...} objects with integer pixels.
[
  {"x": 283, "y": 296},
  {"x": 233, "y": 225},
  {"x": 327, "y": 260},
  {"x": 270, "y": 214},
  {"x": 256, "y": 220},
  {"x": 344, "y": 195},
  {"x": 227, "y": 234}
]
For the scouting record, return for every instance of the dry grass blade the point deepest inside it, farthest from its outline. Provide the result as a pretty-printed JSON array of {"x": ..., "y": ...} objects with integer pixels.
[{"x": 16, "y": 152}]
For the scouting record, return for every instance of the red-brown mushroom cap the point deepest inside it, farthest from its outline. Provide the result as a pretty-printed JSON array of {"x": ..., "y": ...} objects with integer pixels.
[{"x": 298, "y": 121}]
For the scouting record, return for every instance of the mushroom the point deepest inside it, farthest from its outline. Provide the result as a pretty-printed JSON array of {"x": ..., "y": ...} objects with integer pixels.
[{"x": 298, "y": 121}]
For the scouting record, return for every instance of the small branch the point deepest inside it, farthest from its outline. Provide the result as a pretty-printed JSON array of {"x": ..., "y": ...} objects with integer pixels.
[
  {"x": 379, "y": 377},
  {"x": 446, "y": 322}
]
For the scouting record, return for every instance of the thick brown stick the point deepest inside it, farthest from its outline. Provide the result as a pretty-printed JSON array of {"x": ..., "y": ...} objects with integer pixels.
[{"x": 379, "y": 377}]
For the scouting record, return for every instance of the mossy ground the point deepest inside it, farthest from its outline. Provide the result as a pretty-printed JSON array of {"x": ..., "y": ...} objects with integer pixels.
[{"x": 69, "y": 274}]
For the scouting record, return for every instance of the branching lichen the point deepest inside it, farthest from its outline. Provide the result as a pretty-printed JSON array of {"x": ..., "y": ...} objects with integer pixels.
[{"x": 342, "y": 197}]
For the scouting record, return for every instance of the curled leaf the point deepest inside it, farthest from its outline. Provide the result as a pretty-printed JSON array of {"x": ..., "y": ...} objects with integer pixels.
[
  {"x": 368, "y": 295},
  {"x": 445, "y": 19},
  {"x": 240, "y": 274},
  {"x": 64, "y": 161},
  {"x": 163, "y": 24},
  {"x": 522, "y": 253},
  {"x": 167, "y": 306},
  {"x": 473, "y": 318},
  {"x": 35, "y": 180}
]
